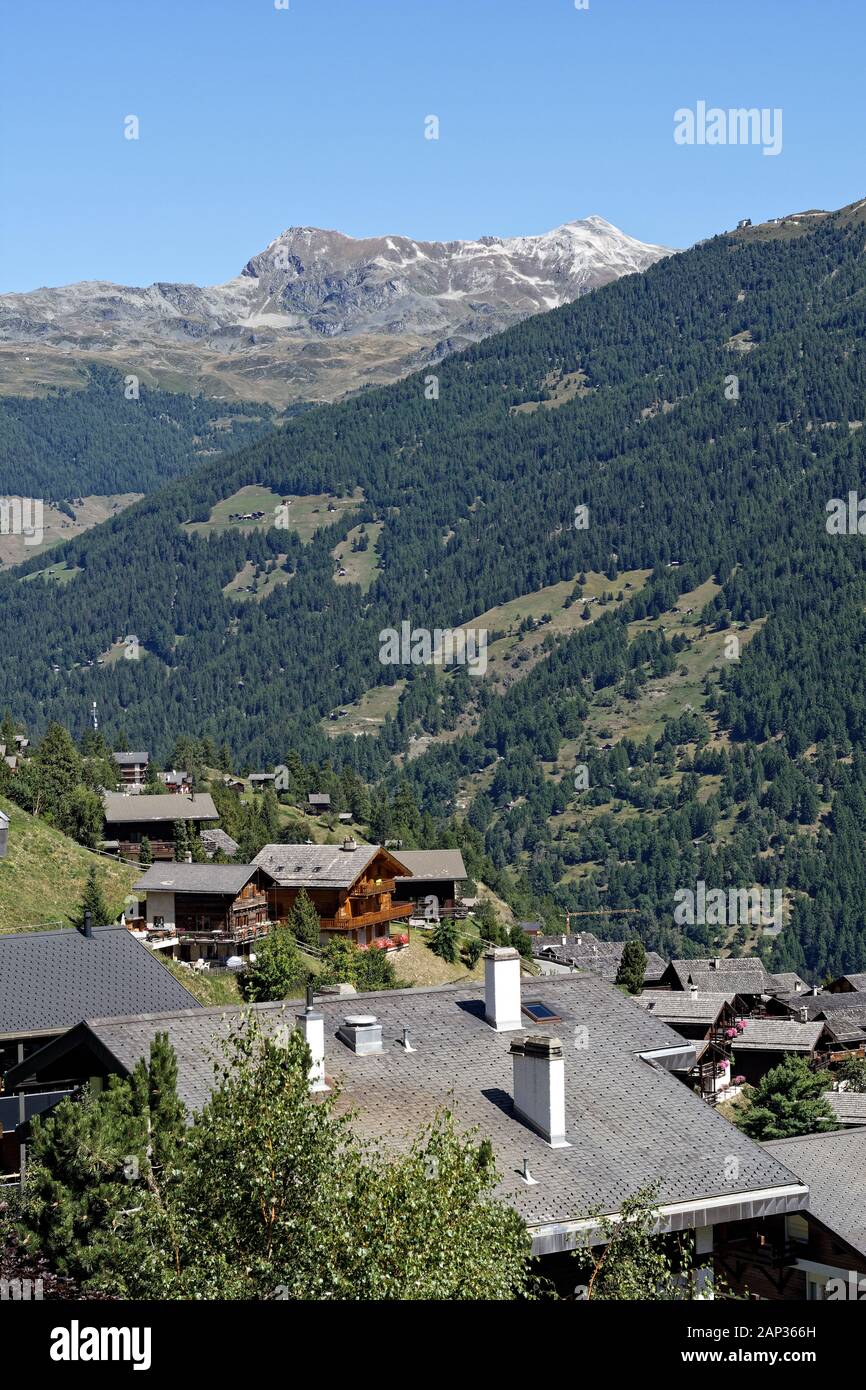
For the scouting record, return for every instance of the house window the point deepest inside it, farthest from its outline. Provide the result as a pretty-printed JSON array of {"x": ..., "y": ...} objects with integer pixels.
[
  {"x": 816, "y": 1287},
  {"x": 797, "y": 1229}
]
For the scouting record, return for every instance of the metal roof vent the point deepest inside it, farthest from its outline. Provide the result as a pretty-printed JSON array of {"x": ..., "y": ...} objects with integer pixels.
[{"x": 362, "y": 1033}]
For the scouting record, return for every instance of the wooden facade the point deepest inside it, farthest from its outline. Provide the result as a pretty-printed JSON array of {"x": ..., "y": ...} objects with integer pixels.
[{"x": 360, "y": 912}]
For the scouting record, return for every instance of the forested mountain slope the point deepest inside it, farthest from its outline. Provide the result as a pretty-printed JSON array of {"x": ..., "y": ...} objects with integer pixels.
[
  {"x": 623, "y": 403},
  {"x": 116, "y": 435}
]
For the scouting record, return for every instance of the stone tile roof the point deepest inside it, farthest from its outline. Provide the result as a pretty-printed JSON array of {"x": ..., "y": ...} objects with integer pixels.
[
  {"x": 312, "y": 866},
  {"x": 218, "y": 839},
  {"x": 779, "y": 1035},
  {"x": 788, "y": 982},
  {"x": 849, "y": 1106},
  {"x": 834, "y": 1166},
  {"x": 195, "y": 878},
  {"x": 432, "y": 863},
  {"x": 589, "y": 953},
  {"x": 50, "y": 980},
  {"x": 628, "y": 1121},
  {"x": 858, "y": 980},
  {"x": 130, "y": 759},
  {"x": 676, "y": 1008},
  {"x": 746, "y": 976},
  {"x": 161, "y": 808}
]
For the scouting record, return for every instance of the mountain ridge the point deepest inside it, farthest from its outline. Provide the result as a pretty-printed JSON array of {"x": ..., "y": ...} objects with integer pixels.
[{"x": 317, "y": 313}]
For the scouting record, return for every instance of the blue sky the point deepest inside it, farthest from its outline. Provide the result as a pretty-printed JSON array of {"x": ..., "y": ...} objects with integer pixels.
[{"x": 253, "y": 119}]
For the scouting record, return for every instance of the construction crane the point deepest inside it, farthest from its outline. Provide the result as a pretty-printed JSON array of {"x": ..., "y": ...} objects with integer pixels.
[{"x": 597, "y": 912}]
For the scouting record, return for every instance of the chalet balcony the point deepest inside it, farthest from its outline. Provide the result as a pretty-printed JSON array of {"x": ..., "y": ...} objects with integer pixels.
[
  {"x": 367, "y": 919},
  {"x": 231, "y": 932},
  {"x": 369, "y": 889}
]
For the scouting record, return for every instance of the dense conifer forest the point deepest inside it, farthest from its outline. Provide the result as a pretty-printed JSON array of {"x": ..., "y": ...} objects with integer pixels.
[
  {"x": 115, "y": 435},
  {"x": 719, "y": 410}
]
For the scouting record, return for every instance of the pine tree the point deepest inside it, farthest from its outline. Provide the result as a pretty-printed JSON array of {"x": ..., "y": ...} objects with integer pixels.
[
  {"x": 92, "y": 902},
  {"x": 303, "y": 919},
  {"x": 145, "y": 853},
  {"x": 444, "y": 941},
  {"x": 632, "y": 966},
  {"x": 789, "y": 1100}
]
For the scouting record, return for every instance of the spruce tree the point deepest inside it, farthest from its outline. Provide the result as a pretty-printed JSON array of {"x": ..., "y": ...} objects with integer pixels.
[
  {"x": 632, "y": 966},
  {"x": 92, "y": 902},
  {"x": 789, "y": 1100}
]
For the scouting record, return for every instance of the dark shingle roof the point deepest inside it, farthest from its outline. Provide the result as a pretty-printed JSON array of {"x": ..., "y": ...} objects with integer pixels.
[
  {"x": 628, "y": 1121},
  {"x": 120, "y": 809},
  {"x": 51, "y": 980},
  {"x": 834, "y": 1166},
  {"x": 195, "y": 878}
]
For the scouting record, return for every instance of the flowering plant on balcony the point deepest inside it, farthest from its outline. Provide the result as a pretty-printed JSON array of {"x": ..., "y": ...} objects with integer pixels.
[
  {"x": 740, "y": 1025},
  {"x": 730, "y": 1032},
  {"x": 739, "y": 1080}
]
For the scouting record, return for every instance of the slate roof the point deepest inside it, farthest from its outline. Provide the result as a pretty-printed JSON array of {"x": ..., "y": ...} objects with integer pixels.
[
  {"x": 432, "y": 863},
  {"x": 218, "y": 839},
  {"x": 858, "y": 981},
  {"x": 313, "y": 866},
  {"x": 589, "y": 953},
  {"x": 847, "y": 1026},
  {"x": 834, "y": 1166},
  {"x": 778, "y": 1035},
  {"x": 130, "y": 759},
  {"x": 162, "y": 807},
  {"x": 195, "y": 878},
  {"x": 50, "y": 980},
  {"x": 788, "y": 982},
  {"x": 849, "y": 1107},
  {"x": 746, "y": 976},
  {"x": 628, "y": 1121},
  {"x": 684, "y": 1008}
]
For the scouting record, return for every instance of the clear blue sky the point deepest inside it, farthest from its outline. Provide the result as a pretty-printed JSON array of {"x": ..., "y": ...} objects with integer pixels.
[{"x": 254, "y": 119}]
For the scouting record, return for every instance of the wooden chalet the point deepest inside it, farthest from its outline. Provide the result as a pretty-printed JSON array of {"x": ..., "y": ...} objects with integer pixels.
[
  {"x": 204, "y": 911},
  {"x": 352, "y": 887},
  {"x": 131, "y": 819},
  {"x": 432, "y": 874}
]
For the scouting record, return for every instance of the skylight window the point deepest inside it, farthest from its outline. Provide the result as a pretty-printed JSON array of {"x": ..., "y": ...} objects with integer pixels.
[{"x": 540, "y": 1013}]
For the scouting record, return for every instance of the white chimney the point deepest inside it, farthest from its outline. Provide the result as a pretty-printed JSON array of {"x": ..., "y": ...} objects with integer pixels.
[
  {"x": 539, "y": 1086},
  {"x": 502, "y": 988},
  {"x": 311, "y": 1025}
]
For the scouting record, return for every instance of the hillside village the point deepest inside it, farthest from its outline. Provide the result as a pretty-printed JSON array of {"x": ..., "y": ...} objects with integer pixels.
[{"x": 616, "y": 1071}]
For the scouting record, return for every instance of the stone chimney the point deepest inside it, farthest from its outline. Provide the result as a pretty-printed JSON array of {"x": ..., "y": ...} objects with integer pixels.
[
  {"x": 539, "y": 1086},
  {"x": 502, "y": 988}
]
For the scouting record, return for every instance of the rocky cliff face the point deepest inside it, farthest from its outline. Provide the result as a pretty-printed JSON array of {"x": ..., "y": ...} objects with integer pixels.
[{"x": 316, "y": 313}]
